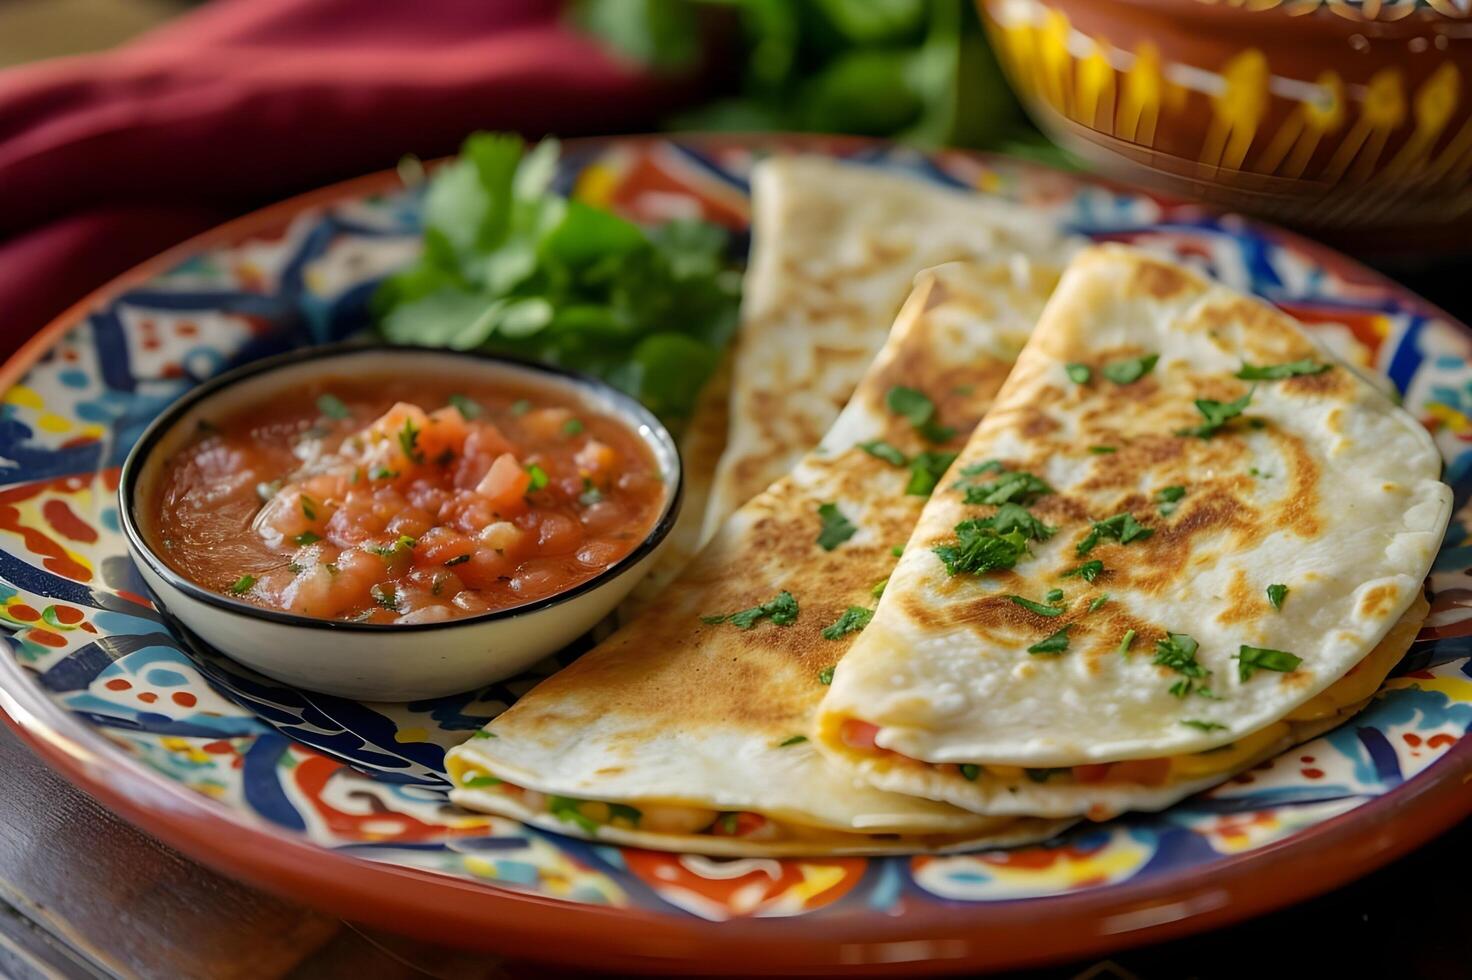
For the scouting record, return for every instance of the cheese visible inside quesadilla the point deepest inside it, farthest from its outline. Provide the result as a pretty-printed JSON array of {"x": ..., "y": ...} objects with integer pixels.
[{"x": 1181, "y": 540}]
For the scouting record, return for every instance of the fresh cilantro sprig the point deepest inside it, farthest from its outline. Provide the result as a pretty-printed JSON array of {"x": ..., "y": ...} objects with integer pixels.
[
  {"x": 510, "y": 265},
  {"x": 836, "y": 529},
  {"x": 781, "y": 609}
]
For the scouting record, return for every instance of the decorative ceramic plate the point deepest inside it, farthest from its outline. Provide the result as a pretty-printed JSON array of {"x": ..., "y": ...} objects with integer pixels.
[{"x": 344, "y": 804}]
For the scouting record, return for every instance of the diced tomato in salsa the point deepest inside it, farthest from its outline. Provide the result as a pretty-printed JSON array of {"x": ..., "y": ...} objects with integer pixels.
[{"x": 405, "y": 500}]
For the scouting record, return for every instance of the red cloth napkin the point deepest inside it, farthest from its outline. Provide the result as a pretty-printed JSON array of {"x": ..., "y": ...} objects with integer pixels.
[{"x": 107, "y": 159}]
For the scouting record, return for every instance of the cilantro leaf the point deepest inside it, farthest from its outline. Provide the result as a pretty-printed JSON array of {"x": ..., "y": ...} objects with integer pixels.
[
  {"x": 979, "y": 547},
  {"x": 467, "y": 408},
  {"x": 1122, "y": 527},
  {"x": 1079, "y": 374},
  {"x": 1019, "y": 487},
  {"x": 1130, "y": 369},
  {"x": 1217, "y": 414},
  {"x": 242, "y": 585},
  {"x": 987, "y": 466},
  {"x": 1276, "y": 372},
  {"x": 917, "y": 408},
  {"x": 825, "y": 676},
  {"x": 1205, "y": 726},
  {"x": 1169, "y": 498},
  {"x": 854, "y": 619},
  {"x": 1088, "y": 571},
  {"x": 409, "y": 442},
  {"x": 1178, "y": 652},
  {"x": 1276, "y": 594},
  {"x": 1037, "y": 608},
  {"x": 880, "y": 449},
  {"x": 1014, "y": 517},
  {"x": 1098, "y": 602},
  {"x": 926, "y": 469},
  {"x": 1057, "y": 643},
  {"x": 792, "y": 740},
  {"x": 1252, "y": 659},
  {"x": 781, "y": 609},
  {"x": 333, "y": 407},
  {"x": 836, "y": 528}
]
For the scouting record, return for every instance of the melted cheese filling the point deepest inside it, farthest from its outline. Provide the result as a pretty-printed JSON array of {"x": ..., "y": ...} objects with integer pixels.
[{"x": 675, "y": 819}]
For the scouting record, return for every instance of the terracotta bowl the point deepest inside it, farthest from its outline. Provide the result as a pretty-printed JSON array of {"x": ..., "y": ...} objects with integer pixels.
[{"x": 1351, "y": 116}]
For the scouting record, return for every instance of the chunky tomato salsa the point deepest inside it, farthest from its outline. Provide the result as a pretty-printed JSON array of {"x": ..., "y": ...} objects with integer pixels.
[{"x": 405, "y": 500}]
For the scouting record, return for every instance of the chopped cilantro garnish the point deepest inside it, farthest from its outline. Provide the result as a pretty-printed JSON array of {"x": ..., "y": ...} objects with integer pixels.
[
  {"x": 1057, "y": 643},
  {"x": 306, "y": 538},
  {"x": 897, "y": 550},
  {"x": 591, "y": 494},
  {"x": 309, "y": 507},
  {"x": 883, "y": 450},
  {"x": 1019, "y": 487},
  {"x": 1169, "y": 498},
  {"x": 1276, "y": 372},
  {"x": 986, "y": 466},
  {"x": 836, "y": 528},
  {"x": 969, "y": 771},
  {"x": 1252, "y": 659},
  {"x": 854, "y": 619},
  {"x": 1088, "y": 571},
  {"x": 1078, "y": 373},
  {"x": 520, "y": 407},
  {"x": 242, "y": 585},
  {"x": 1103, "y": 450},
  {"x": 1178, "y": 652},
  {"x": 407, "y": 542},
  {"x": 385, "y": 596},
  {"x": 1205, "y": 726},
  {"x": 1122, "y": 527},
  {"x": 458, "y": 559},
  {"x": 917, "y": 408},
  {"x": 1125, "y": 642},
  {"x": 1098, "y": 602},
  {"x": 926, "y": 469},
  {"x": 409, "y": 442},
  {"x": 792, "y": 740},
  {"x": 572, "y": 427},
  {"x": 1217, "y": 414},
  {"x": 877, "y": 589},
  {"x": 1053, "y": 595},
  {"x": 382, "y": 473},
  {"x": 332, "y": 407},
  {"x": 1014, "y": 517},
  {"x": 539, "y": 478},
  {"x": 295, "y": 568},
  {"x": 980, "y": 547},
  {"x": 781, "y": 609},
  {"x": 1042, "y": 775},
  {"x": 1037, "y": 608},
  {"x": 467, "y": 408},
  {"x": 1129, "y": 370},
  {"x": 825, "y": 676},
  {"x": 1276, "y": 594},
  {"x": 482, "y": 733}
]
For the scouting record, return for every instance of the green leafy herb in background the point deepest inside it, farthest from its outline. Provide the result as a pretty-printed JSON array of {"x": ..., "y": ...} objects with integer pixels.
[
  {"x": 914, "y": 70},
  {"x": 510, "y": 265}
]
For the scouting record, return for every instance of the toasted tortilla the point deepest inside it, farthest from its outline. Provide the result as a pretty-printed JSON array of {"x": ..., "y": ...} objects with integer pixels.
[
  {"x": 959, "y": 692},
  {"x": 700, "y": 725},
  {"x": 835, "y": 247}
]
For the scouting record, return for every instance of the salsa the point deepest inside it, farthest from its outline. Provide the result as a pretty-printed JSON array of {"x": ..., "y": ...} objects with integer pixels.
[{"x": 404, "y": 499}]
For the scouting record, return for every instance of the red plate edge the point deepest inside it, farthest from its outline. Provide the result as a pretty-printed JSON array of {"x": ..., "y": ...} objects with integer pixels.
[{"x": 958, "y": 936}]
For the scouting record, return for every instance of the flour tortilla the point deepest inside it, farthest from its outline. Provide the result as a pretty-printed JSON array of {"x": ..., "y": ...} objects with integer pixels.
[
  {"x": 835, "y": 247},
  {"x": 1322, "y": 485},
  {"x": 676, "y": 717}
]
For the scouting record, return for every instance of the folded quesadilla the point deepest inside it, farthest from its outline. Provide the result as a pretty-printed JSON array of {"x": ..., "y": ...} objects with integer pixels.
[
  {"x": 1182, "y": 539},
  {"x": 834, "y": 249},
  {"x": 688, "y": 728}
]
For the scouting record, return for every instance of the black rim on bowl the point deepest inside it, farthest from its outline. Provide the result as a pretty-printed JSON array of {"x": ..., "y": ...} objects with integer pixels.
[{"x": 629, "y": 409}]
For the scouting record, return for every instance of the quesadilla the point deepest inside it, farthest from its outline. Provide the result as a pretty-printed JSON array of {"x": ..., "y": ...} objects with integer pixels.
[
  {"x": 1182, "y": 539},
  {"x": 688, "y": 728},
  {"x": 834, "y": 249}
]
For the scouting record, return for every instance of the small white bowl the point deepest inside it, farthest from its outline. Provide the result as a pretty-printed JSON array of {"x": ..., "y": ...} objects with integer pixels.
[{"x": 384, "y": 661}]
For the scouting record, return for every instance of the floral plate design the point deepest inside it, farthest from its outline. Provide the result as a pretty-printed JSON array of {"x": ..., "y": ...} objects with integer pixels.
[{"x": 344, "y": 804}]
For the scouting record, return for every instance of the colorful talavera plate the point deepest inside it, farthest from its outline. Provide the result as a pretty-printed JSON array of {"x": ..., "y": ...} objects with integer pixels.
[{"x": 344, "y": 804}]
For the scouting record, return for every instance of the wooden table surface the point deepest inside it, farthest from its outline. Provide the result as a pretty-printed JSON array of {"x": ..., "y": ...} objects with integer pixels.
[{"x": 83, "y": 894}]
